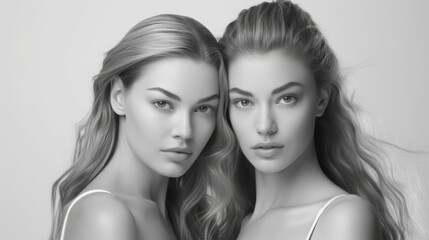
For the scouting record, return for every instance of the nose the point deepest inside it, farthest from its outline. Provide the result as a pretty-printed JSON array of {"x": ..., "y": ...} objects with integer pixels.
[
  {"x": 183, "y": 127},
  {"x": 266, "y": 123}
]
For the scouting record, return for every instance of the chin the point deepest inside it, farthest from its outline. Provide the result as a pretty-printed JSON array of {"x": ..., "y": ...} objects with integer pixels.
[
  {"x": 174, "y": 170},
  {"x": 269, "y": 165}
]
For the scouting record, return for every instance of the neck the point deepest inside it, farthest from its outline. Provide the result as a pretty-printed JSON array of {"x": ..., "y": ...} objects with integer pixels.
[
  {"x": 302, "y": 182},
  {"x": 127, "y": 175}
]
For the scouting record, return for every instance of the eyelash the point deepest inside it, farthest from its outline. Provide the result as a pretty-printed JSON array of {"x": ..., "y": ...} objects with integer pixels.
[
  {"x": 239, "y": 101},
  {"x": 209, "y": 108},
  {"x": 294, "y": 98},
  {"x": 156, "y": 104},
  {"x": 236, "y": 102}
]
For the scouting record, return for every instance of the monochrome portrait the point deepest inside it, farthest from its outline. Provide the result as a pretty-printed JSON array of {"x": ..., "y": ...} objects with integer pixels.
[{"x": 285, "y": 119}]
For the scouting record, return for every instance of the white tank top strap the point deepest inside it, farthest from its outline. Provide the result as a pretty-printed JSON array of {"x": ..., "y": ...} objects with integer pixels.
[
  {"x": 74, "y": 202},
  {"x": 313, "y": 226}
]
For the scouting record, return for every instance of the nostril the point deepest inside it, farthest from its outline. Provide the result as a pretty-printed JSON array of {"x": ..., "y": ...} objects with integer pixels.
[{"x": 268, "y": 129}]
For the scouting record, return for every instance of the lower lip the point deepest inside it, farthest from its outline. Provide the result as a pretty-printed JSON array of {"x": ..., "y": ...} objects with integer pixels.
[
  {"x": 266, "y": 152},
  {"x": 177, "y": 156}
]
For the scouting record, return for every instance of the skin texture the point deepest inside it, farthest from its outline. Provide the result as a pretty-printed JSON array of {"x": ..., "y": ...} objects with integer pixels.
[
  {"x": 285, "y": 118},
  {"x": 274, "y": 100},
  {"x": 156, "y": 122},
  {"x": 151, "y": 122}
]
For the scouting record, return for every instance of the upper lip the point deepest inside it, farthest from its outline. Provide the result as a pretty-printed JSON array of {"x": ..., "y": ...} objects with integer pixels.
[
  {"x": 267, "y": 145},
  {"x": 177, "y": 149}
]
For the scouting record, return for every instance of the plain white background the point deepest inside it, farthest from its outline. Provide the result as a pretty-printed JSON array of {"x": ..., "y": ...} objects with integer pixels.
[{"x": 50, "y": 50}]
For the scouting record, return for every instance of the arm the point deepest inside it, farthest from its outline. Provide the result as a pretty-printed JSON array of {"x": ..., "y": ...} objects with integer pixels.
[{"x": 100, "y": 216}]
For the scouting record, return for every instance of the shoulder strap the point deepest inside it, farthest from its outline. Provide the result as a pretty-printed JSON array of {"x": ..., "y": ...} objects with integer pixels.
[
  {"x": 74, "y": 202},
  {"x": 313, "y": 226}
]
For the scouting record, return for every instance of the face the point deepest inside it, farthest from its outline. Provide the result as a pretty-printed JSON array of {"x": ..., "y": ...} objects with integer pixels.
[
  {"x": 273, "y": 106},
  {"x": 170, "y": 113}
]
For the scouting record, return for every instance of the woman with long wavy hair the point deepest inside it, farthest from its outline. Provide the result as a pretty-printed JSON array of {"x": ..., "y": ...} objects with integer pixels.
[
  {"x": 305, "y": 168},
  {"x": 148, "y": 148}
]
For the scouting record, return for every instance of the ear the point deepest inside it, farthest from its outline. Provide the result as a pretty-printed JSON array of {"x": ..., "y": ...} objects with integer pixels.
[
  {"x": 117, "y": 96},
  {"x": 324, "y": 94}
]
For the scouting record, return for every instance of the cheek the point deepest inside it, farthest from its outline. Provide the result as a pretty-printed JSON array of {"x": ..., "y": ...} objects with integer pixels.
[
  {"x": 241, "y": 124},
  {"x": 202, "y": 130},
  {"x": 146, "y": 128},
  {"x": 298, "y": 125}
]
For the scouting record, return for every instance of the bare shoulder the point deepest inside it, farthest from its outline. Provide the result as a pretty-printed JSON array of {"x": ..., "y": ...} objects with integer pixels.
[
  {"x": 149, "y": 219},
  {"x": 146, "y": 211},
  {"x": 350, "y": 217},
  {"x": 100, "y": 216},
  {"x": 245, "y": 220}
]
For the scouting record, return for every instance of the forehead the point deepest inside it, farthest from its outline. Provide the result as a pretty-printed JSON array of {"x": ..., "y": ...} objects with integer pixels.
[
  {"x": 252, "y": 71},
  {"x": 182, "y": 76}
]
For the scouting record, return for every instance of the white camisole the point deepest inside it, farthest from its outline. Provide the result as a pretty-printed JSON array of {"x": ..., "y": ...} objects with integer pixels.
[
  {"x": 313, "y": 226},
  {"x": 74, "y": 202},
  {"x": 310, "y": 233}
]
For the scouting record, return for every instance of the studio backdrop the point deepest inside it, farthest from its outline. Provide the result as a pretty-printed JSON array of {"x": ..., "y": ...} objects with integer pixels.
[{"x": 50, "y": 50}]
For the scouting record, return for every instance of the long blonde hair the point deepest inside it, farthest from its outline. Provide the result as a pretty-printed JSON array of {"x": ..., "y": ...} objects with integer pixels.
[
  {"x": 347, "y": 155},
  {"x": 155, "y": 38}
]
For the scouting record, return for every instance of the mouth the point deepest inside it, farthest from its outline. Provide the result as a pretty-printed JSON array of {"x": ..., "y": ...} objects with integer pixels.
[
  {"x": 177, "y": 154},
  {"x": 267, "y": 146},
  {"x": 267, "y": 150},
  {"x": 182, "y": 150}
]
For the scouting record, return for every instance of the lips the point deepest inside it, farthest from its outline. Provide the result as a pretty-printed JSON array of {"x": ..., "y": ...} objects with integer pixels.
[
  {"x": 177, "y": 154},
  {"x": 267, "y": 150},
  {"x": 183, "y": 150},
  {"x": 268, "y": 145}
]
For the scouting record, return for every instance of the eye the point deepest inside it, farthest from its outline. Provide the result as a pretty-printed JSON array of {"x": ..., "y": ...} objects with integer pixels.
[
  {"x": 163, "y": 105},
  {"x": 242, "y": 103},
  {"x": 286, "y": 100},
  {"x": 206, "y": 109}
]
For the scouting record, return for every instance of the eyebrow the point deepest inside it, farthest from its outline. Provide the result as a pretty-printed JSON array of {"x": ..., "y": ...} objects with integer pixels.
[
  {"x": 214, "y": 96},
  {"x": 174, "y": 96},
  {"x": 242, "y": 92},
  {"x": 275, "y": 91},
  {"x": 169, "y": 94},
  {"x": 286, "y": 86}
]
